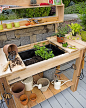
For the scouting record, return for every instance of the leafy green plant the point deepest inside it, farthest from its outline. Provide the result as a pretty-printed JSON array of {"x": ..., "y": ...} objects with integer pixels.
[
  {"x": 43, "y": 52},
  {"x": 76, "y": 28},
  {"x": 65, "y": 44},
  {"x": 62, "y": 30},
  {"x": 32, "y": 12},
  {"x": 83, "y": 21}
]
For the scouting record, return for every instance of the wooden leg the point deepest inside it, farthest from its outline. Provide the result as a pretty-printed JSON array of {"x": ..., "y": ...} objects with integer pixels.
[
  {"x": 11, "y": 101},
  {"x": 77, "y": 72}
]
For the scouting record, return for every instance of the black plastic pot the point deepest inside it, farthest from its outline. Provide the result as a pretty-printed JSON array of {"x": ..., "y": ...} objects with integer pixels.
[{"x": 30, "y": 54}]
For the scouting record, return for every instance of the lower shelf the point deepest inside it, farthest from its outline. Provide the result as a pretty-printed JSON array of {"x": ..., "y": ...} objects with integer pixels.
[{"x": 41, "y": 96}]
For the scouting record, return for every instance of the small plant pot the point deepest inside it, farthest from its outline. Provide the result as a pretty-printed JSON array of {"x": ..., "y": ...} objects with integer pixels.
[
  {"x": 9, "y": 25},
  {"x": 18, "y": 89},
  {"x": 33, "y": 97},
  {"x": 16, "y": 23},
  {"x": 24, "y": 99},
  {"x": 60, "y": 39},
  {"x": 10, "y": 47},
  {"x": 1, "y": 27},
  {"x": 45, "y": 83}
]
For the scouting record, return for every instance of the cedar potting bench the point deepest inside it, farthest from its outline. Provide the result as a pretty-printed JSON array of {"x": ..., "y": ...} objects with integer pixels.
[{"x": 19, "y": 73}]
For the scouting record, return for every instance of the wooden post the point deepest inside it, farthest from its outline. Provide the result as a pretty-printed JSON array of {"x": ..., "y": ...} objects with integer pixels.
[
  {"x": 77, "y": 72},
  {"x": 7, "y": 88}
]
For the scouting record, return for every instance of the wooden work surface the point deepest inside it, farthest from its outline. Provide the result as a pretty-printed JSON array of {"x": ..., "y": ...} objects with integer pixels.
[
  {"x": 70, "y": 43},
  {"x": 40, "y": 66}
]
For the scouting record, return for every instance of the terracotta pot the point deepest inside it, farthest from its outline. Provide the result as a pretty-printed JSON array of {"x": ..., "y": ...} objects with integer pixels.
[
  {"x": 18, "y": 89},
  {"x": 10, "y": 47},
  {"x": 33, "y": 97},
  {"x": 60, "y": 39},
  {"x": 24, "y": 99}
]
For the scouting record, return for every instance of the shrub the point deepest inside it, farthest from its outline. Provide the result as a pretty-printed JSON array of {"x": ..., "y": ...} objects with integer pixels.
[
  {"x": 77, "y": 8},
  {"x": 83, "y": 21},
  {"x": 33, "y": 12},
  {"x": 8, "y": 17},
  {"x": 66, "y": 2}
]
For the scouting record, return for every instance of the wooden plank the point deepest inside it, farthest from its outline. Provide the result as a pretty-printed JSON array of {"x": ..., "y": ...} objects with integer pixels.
[
  {"x": 3, "y": 61},
  {"x": 54, "y": 40},
  {"x": 45, "y": 23},
  {"x": 74, "y": 103},
  {"x": 40, "y": 96},
  {"x": 7, "y": 90},
  {"x": 46, "y": 104},
  {"x": 77, "y": 72},
  {"x": 30, "y": 46},
  {"x": 17, "y": 67},
  {"x": 54, "y": 103},
  {"x": 62, "y": 101},
  {"x": 48, "y": 93},
  {"x": 20, "y": 2},
  {"x": 40, "y": 66}
]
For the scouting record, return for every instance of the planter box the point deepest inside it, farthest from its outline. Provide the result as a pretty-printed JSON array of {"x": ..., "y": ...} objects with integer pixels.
[{"x": 29, "y": 55}]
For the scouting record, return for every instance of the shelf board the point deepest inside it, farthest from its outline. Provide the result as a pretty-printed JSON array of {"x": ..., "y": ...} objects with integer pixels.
[
  {"x": 30, "y": 26},
  {"x": 21, "y": 7},
  {"x": 44, "y": 95}
]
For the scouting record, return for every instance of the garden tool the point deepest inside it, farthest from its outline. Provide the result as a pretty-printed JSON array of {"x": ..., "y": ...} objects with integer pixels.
[
  {"x": 6, "y": 95},
  {"x": 60, "y": 71},
  {"x": 11, "y": 57}
]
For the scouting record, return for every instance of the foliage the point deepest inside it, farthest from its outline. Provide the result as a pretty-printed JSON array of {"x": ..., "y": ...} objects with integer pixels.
[
  {"x": 76, "y": 28},
  {"x": 8, "y": 17},
  {"x": 65, "y": 44},
  {"x": 66, "y": 2},
  {"x": 33, "y": 12},
  {"x": 62, "y": 30},
  {"x": 83, "y": 21},
  {"x": 77, "y": 8},
  {"x": 43, "y": 52}
]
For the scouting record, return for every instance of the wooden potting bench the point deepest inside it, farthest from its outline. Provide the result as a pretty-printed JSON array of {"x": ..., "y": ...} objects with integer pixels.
[{"x": 9, "y": 77}]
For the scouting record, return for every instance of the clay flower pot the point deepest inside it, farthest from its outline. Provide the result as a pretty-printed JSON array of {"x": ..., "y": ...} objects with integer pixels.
[
  {"x": 60, "y": 39},
  {"x": 18, "y": 89},
  {"x": 10, "y": 47},
  {"x": 24, "y": 99},
  {"x": 33, "y": 97}
]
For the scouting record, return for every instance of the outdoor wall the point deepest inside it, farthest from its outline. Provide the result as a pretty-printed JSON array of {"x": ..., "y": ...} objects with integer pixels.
[{"x": 27, "y": 35}]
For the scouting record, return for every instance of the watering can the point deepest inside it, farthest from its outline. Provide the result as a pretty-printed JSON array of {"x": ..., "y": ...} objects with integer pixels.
[
  {"x": 57, "y": 83},
  {"x": 29, "y": 84}
]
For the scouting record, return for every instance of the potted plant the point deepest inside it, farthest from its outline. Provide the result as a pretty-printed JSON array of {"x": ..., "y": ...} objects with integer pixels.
[
  {"x": 76, "y": 28},
  {"x": 61, "y": 33}
]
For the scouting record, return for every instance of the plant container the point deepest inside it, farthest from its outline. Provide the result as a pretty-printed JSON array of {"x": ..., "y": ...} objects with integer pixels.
[
  {"x": 60, "y": 39},
  {"x": 24, "y": 99},
  {"x": 18, "y": 89}
]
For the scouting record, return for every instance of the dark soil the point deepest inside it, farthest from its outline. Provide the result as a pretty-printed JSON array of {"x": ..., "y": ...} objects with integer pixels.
[{"x": 33, "y": 60}]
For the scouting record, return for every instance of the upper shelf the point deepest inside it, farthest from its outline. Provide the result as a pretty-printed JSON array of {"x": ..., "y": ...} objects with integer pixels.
[
  {"x": 35, "y": 6},
  {"x": 42, "y": 21}
]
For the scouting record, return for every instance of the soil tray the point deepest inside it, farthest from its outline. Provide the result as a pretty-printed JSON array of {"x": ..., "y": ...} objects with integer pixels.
[{"x": 29, "y": 57}]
